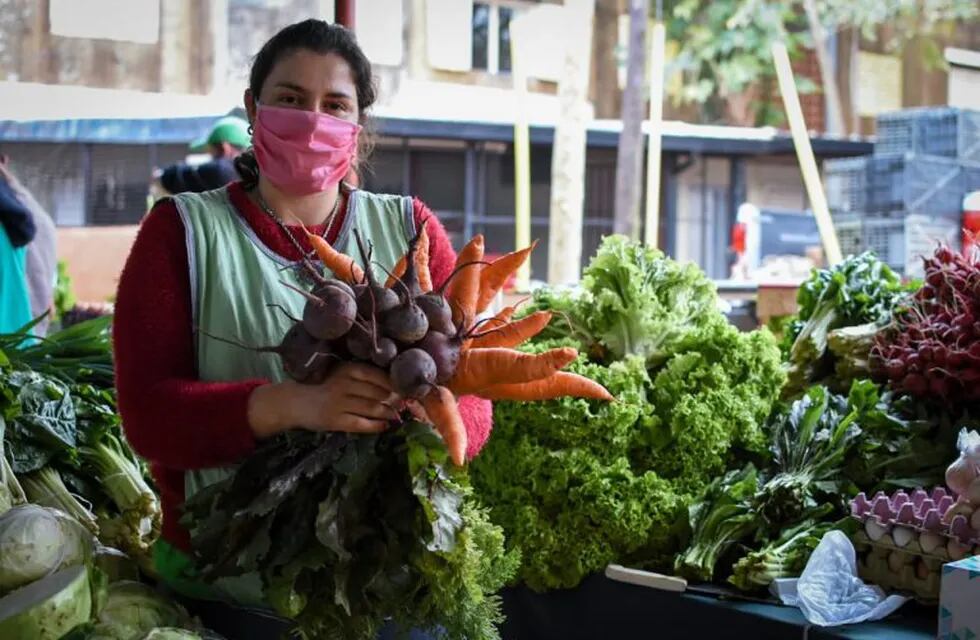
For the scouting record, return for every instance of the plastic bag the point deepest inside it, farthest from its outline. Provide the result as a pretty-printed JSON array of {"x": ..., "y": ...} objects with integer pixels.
[
  {"x": 965, "y": 468},
  {"x": 829, "y": 593}
]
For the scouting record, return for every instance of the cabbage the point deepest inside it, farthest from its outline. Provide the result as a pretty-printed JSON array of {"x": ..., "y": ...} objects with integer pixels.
[
  {"x": 36, "y": 541},
  {"x": 115, "y": 564},
  {"x": 48, "y": 608},
  {"x": 133, "y": 609}
]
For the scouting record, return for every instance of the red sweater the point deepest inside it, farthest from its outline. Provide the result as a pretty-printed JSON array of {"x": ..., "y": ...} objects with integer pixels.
[{"x": 171, "y": 418}]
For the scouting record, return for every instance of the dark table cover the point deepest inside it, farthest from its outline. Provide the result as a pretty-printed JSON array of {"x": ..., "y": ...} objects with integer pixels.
[{"x": 601, "y": 608}]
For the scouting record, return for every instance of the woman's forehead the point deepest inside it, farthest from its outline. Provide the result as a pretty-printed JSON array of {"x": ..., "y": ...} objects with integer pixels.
[{"x": 313, "y": 72}]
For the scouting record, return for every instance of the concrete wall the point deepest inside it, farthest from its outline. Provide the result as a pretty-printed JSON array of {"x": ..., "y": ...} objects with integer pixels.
[
  {"x": 95, "y": 257},
  {"x": 185, "y": 58}
]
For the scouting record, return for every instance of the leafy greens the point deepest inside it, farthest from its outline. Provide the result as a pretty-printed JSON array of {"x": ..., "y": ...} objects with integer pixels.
[{"x": 347, "y": 531}]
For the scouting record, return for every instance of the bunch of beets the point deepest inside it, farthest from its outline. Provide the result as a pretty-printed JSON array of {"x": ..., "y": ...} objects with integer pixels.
[
  {"x": 428, "y": 341},
  {"x": 932, "y": 348}
]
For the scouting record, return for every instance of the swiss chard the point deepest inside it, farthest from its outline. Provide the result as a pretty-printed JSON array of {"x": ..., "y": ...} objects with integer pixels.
[
  {"x": 861, "y": 289},
  {"x": 347, "y": 531}
]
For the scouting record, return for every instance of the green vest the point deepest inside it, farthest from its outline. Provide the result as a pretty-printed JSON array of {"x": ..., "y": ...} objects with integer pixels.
[{"x": 234, "y": 278}]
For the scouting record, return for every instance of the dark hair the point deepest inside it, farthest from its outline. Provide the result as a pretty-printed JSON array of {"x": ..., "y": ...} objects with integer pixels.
[{"x": 320, "y": 37}]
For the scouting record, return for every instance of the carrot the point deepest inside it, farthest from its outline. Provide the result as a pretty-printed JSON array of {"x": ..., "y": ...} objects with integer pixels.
[
  {"x": 504, "y": 315},
  {"x": 494, "y": 275},
  {"x": 482, "y": 368},
  {"x": 501, "y": 319},
  {"x": 342, "y": 265},
  {"x": 440, "y": 405},
  {"x": 514, "y": 333},
  {"x": 557, "y": 385},
  {"x": 464, "y": 285},
  {"x": 421, "y": 265}
]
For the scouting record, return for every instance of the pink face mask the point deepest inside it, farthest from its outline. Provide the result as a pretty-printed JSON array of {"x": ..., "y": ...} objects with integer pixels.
[{"x": 302, "y": 152}]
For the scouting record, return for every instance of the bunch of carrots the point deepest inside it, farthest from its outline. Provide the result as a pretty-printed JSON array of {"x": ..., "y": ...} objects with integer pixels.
[{"x": 428, "y": 340}]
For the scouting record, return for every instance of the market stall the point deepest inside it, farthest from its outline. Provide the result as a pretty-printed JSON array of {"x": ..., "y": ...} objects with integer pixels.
[{"x": 724, "y": 464}]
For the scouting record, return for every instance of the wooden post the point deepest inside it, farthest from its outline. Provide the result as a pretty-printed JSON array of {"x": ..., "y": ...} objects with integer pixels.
[
  {"x": 658, "y": 42},
  {"x": 629, "y": 157},
  {"x": 344, "y": 13},
  {"x": 804, "y": 153},
  {"x": 568, "y": 156},
  {"x": 522, "y": 154}
]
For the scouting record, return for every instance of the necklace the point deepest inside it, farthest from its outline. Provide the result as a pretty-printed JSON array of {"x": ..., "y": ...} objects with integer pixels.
[{"x": 289, "y": 234}]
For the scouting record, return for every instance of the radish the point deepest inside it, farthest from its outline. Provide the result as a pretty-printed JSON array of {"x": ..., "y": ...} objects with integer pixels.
[{"x": 413, "y": 373}]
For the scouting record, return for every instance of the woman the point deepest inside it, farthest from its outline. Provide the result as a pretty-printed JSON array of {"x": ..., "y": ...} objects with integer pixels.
[{"x": 194, "y": 407}]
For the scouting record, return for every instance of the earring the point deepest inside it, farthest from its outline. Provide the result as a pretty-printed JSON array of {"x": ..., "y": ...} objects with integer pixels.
[{"x": 250, "y": 130}]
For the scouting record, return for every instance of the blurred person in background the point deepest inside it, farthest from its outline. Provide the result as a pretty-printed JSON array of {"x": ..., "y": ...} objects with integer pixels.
[
  {"x": 42, "y": 251},
  {"x": 228, "y": 138},
  {"x": 17, "y": 230}
]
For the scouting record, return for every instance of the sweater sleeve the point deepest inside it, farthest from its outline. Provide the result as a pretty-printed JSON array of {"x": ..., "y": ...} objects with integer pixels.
[
  {"x": 476, "y": 412},
  {"x": 170, "y": 417}
]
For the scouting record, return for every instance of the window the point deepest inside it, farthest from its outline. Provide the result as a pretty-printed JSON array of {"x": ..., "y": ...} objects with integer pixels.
[
  {"x": 503, "y": 38},
  {"x": 491, "y": 37},
  {"x": 120, "y": 20},
  {"x": 481, "y": 36}
]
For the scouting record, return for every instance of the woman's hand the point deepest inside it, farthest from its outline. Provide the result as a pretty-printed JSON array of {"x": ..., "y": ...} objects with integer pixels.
[{"x": 356, "y": 398}]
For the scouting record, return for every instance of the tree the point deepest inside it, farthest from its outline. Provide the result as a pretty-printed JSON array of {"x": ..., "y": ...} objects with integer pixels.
[
  {"x": 724, "y": 58},
  {"x": 724, "y": 45},
  {"x": 629, "y": 158}
]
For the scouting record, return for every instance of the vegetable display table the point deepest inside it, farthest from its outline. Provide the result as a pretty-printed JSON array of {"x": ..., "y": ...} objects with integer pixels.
[{"x": 603, "y": 608}]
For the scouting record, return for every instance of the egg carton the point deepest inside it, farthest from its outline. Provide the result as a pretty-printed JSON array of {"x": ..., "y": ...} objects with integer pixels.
[
  {"x": 906, "y": 569},
  {"x": 922, "y": 511}
]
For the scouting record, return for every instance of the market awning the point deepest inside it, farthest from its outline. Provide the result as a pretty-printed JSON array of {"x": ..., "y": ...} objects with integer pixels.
[{"x": 49, "y": 113}]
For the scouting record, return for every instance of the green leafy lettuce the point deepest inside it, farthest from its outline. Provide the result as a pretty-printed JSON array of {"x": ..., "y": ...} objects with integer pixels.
[
  {"x": 578, "y": 484},
  {"x": 633, "y": 301}
]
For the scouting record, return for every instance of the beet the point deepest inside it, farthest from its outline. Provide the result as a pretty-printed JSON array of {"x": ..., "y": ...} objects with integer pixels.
[
  {"x": 405, "y": 323},
  {"x": 304, "y": 358},
  {"x": 336, "y": 284},
  {"x": 383, "y": 300},
  {"x": 438, "y": 312},
  {"x": 385, "y": 352},
  {"x": 330, "y": 314},
  {"x": 444, "y": 351},
  {"x": 359, "y": 343},
  {"x": 413, "y": 373}
]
